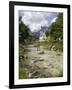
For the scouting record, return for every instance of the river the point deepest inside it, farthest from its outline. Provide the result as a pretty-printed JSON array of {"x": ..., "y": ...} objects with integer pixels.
[{"x": 43, "y": 63}]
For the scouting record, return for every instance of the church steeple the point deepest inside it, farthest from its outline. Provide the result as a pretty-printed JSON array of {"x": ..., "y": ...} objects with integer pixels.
[{"x": 42, "y": 36}]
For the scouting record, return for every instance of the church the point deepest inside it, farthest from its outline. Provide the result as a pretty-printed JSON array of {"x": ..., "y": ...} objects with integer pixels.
[{"x": 42, "y": 36}]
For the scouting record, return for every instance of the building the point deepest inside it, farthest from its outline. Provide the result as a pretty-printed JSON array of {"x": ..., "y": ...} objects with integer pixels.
[{"x": 42, "y": 36}]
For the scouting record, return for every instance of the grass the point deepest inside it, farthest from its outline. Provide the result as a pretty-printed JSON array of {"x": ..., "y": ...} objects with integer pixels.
[
  {"x": 21, "y": 51},
  {"x": 44, "y": 44},
  {"x": 58, "y": 46},
  {"x": 22, "y": 71},
  {"x": 51, "y": 45}
]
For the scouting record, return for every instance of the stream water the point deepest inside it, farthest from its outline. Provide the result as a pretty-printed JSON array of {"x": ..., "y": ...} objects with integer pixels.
[{"x": 41, "y": 63}]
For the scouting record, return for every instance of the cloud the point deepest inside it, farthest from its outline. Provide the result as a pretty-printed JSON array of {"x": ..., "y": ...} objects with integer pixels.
[
  {"x": 54, "y": 20},
  {"x": 34, "y": 27},
  {"x": 34, "y": 20}
]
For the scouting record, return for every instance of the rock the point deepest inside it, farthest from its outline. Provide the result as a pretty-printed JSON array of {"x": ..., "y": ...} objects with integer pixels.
[
  {"x": 58, "y": 53},
  {"x": 28, "y": 63},
  {"x": 55, "y": 72},
  {"x": 40, "y": 60},
  {"x": 29, "y": 75},
  {"x": 42, "y": 52},
  {"x": 42, "y": 65},
  {"x": 52, "y": 72}
]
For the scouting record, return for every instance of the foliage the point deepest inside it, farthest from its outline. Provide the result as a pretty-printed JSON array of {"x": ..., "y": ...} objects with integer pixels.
[
  {"x": 21, "y": 51},
  {"x": 57, "y": 28},
  {"x": 22, "y": 72},
  {"x": 58, "y": 46},
  {"x": 55, "y": 35},
  {"x": 23, "y": 32}
]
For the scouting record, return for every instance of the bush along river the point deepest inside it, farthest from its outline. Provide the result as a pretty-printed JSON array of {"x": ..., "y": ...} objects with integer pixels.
[{"x": 42, "y": 63}]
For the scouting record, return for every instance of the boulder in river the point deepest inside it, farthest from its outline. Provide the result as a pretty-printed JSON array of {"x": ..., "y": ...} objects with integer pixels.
[
  {"x": 38, "y": 60},
  {"x": 42, "y": 52}
]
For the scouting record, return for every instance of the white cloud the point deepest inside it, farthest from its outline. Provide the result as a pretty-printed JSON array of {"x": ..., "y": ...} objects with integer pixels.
[
  {"x": 54, "y": 20},
  {"x": 44, "y": 22},
  {"x": 34, "y": 27},
  {"x": 35, "y": 19}
]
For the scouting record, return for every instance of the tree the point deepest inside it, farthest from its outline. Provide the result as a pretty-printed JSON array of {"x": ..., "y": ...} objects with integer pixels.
[
  {"x": 57, "y": 28},
  {"x": 55, "y": 34},
  {"x": 23, "y": 32}
]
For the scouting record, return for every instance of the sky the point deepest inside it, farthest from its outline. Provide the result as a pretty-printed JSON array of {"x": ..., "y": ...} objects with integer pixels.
[{"x": 35, "y": 20}]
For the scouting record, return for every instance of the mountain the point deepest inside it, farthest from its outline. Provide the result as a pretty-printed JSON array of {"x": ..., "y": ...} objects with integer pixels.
[{"x": 37, "y": 34}]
